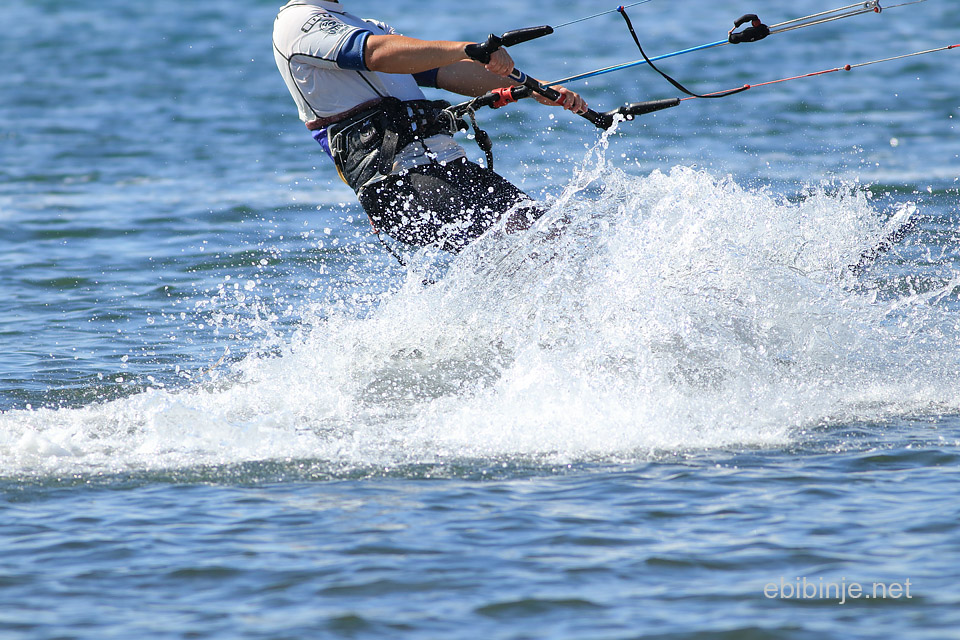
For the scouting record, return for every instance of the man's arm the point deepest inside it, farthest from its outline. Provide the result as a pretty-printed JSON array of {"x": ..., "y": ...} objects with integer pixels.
[
  {"x": 457, "y": 72},
  {"x": 469, "y": 78},
  {"x": 400, "y": 54}
]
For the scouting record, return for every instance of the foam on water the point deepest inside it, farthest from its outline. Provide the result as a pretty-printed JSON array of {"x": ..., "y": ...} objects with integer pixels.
[{"x": 667, "y": 312}]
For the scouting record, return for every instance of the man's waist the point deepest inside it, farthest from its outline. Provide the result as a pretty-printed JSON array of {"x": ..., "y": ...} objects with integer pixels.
[
  {"x": 401, "y": 113},
  {"x": 322, "y": 123}
]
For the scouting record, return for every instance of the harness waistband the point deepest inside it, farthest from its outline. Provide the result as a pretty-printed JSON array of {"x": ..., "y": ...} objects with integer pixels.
[{"x": 320, "y": 123}]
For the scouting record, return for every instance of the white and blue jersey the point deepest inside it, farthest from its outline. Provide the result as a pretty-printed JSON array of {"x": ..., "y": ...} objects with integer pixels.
[{"x": 319, "y": 49}]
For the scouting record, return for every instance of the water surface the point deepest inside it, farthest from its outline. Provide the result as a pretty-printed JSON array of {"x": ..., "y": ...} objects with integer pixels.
[{"x": 226, "y": 411}]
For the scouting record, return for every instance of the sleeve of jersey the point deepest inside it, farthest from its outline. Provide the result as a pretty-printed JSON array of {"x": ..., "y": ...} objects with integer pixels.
[
  {"x": 350, "y": 55},
  {"x": 427, "y": 78}
]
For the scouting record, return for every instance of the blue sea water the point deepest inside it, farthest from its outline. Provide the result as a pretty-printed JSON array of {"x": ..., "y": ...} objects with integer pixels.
[{"x": 666, "y": 411}]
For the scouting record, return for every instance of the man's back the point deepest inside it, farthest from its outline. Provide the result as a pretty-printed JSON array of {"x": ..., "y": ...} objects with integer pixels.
[{"x": 319, "y": 48}]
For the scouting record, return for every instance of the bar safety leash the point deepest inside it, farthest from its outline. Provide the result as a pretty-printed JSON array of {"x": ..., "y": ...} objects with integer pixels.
[
  {"x": 733, "y": 37},
  {"x": 757, "y": 31}
]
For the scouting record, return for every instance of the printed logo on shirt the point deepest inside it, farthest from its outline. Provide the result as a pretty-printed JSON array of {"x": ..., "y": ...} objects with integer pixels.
[
  {"x": 333, "y": 26},
  {"x": 327, "y": 23},
  {"x": 309, "y": 24}
]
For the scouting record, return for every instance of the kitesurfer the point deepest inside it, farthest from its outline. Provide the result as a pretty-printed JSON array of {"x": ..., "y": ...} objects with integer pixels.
[{"x": 356, "y": 83}]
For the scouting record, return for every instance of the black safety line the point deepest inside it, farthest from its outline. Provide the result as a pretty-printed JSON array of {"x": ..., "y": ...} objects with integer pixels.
[{"x": 676, "y": 84}]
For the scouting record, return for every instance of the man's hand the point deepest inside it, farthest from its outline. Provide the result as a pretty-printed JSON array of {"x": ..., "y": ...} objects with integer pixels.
[
  {"x": 500, "y": 63},
  {"x": 571, "y": 100}
]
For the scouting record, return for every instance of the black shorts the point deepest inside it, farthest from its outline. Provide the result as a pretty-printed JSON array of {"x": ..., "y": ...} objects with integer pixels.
[{"x": 445, "y": 205}]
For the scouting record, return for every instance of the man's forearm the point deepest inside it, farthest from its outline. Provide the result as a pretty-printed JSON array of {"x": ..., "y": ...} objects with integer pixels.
[
  {"x": 469, "y": 78},
  {"x": 400, "y": 54}
]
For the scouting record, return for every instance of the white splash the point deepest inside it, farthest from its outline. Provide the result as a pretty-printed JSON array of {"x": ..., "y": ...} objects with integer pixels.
[{"x": 667, "y": 312}]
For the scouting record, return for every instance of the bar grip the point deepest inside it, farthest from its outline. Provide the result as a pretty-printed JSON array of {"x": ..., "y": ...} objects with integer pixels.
[
  {"x": 635, "y": 109},
  {"x": 511, "y": 38},
  {"x": 642, "y": 108},
  {"x": 481, "y": 51}
]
